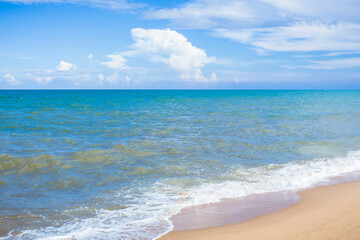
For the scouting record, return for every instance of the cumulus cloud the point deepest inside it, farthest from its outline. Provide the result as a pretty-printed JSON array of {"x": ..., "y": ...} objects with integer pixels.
[
  {"x": 10, "y": 79},
  {"x": 90, "y": 56},
  {"x": 117, "y": 62},
  {"x": 65, "y": 66},
  {"x": 108, "y": 4},
  {"x": 171, "y": 48}
]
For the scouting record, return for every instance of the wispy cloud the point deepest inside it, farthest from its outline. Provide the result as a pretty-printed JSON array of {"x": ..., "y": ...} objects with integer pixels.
[
  {"x": 10, "y": 79},
  {"x": 323, "y": 10},
  {"x": 256, "y": 13},
  {"x": 207, "y": 14},
  {"x": 333, "y": 54},
  {"x": 274, "y": 25},
  {"x": 108, "y": 4},
  {"x": 116, "y": 79},
  {"x": 331, "y": 64},
  {"x": 302, "y": 36},
  {"x": 50, "y": 77},
  {"x": 101, "y": 78},
  {"x": 64, "y": 70},
  {"x": 41, "y": 80},
  {"x": 113, "y": 78},
  {"x": 330, "y": 54}
]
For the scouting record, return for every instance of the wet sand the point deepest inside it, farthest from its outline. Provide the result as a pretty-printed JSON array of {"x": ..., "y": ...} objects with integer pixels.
[{"x": 326, "y": 212}]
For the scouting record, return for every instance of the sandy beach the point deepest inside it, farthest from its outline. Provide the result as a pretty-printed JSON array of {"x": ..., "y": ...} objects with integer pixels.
[{"x": 326, "y": 212}]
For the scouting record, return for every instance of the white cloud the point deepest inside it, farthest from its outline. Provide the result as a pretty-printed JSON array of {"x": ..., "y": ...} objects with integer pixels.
[
  {"x": 171, "y": 48},
  {"x": 43, "y": 80},
  {"x": 101, "y": 77},
  {"x": 213, "y": 78},
  {"x": 65, "y": 66},
  {"x": 10, "y": 79},
  {"x": 327, "y": 10},
  {"x": 118, "y": 62},
  {"x": 215, "y": 13},
  {"x": 61, "y": 78},
  {"x": 129, "y": 81},
  {"x": 90, "y": 56},
  {"x": 108, "y": 4},
  {"x": 332, "y": 64},
  {"x": 62, "y": 73},
  {"x": 274, "y": 25},
  {"x": 115, "y": 78},
  {"x": 112, "y": 78},
  {"x": 301, "y": 36},
  {"x": 256, "y": 13},
  {"x": 333, "y": 54}
]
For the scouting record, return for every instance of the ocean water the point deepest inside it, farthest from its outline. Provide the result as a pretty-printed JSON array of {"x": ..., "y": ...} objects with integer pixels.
[{"x": 118, "y": 164}]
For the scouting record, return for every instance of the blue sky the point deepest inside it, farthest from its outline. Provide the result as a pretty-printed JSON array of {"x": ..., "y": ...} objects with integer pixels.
[{"x": 213, "y": 44}]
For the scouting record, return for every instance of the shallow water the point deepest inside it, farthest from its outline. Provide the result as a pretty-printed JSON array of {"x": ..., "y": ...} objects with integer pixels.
[{"x": 119, "y": 164}]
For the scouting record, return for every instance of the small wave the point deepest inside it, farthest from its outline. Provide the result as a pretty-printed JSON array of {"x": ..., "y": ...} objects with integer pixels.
[{"x": 148, "y": 216}]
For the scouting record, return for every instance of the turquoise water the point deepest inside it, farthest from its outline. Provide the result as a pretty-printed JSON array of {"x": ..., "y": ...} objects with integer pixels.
[{"x": 118, "y": 164}]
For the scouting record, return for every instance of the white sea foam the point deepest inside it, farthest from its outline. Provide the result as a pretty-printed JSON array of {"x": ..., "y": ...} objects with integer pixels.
[{"x": 149, "y": 217}]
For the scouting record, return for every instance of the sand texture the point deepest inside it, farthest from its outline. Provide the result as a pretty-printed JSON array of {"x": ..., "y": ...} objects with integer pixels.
[{"x": 328, "y": 212}]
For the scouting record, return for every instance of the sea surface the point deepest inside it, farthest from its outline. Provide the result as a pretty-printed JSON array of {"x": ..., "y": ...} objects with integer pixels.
[{"x": 117, "y": 164}]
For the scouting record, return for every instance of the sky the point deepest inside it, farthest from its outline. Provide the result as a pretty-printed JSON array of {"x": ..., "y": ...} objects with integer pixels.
[{"x": 179, "y": 44}]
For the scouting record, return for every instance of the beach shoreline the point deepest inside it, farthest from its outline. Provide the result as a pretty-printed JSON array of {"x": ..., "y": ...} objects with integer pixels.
[
  {"x": 122, "y": 164},
  {"x": 324, "y": 212}
]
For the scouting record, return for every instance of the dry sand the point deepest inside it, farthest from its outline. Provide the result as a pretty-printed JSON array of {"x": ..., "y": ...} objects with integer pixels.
[{"x": 327, "y": 212}]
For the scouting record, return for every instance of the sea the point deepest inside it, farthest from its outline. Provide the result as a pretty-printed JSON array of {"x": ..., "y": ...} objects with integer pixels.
[{"x": 118, "y": 164}]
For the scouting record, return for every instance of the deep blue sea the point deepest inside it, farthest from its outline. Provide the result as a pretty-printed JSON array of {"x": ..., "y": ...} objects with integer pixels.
[{"x": 117, "y": 164}]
